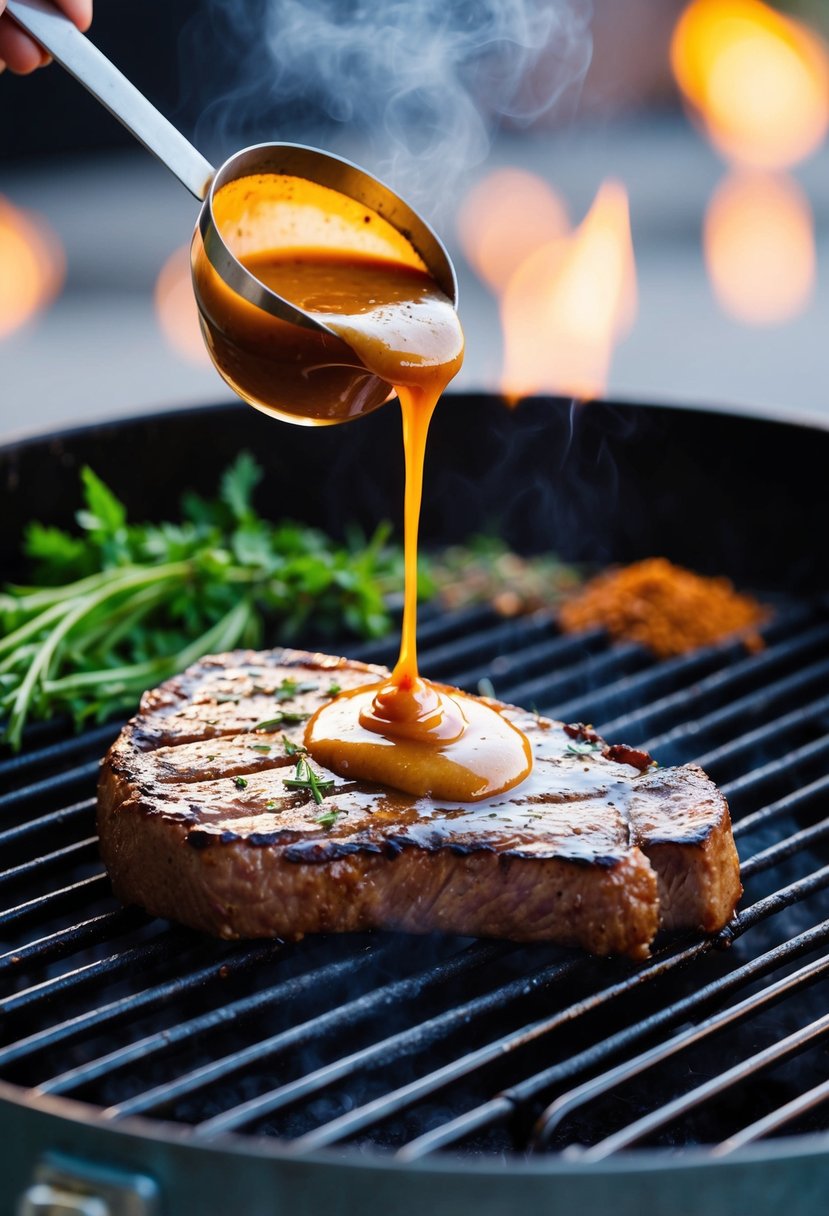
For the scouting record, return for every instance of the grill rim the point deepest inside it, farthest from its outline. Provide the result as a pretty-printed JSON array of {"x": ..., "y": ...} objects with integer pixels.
[
  {"x": 634, "y": 1161},
  {"x": 47, "y": 433}
]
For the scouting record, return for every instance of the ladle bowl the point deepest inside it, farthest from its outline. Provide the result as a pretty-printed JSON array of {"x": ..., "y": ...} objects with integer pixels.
[{"x": 260, "y": 343}]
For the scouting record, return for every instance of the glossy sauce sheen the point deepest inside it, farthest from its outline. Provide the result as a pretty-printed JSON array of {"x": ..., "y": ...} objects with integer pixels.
[{"x": 407, "y": 733}]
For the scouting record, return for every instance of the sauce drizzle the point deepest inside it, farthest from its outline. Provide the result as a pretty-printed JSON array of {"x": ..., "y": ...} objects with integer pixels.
[{"x": 405, "y": 732}]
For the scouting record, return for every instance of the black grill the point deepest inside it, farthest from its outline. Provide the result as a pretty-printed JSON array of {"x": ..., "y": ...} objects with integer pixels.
[{"x": 414, "y": 1045}]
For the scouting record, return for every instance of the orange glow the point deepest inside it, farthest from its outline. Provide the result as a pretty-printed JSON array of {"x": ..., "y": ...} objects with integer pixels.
[
  {"x": 569, "y": 303},
  {"x": 758, "y": 80},
  {"x": 32, "y": 267},
  {"x": 175, "y": 307},
  {"x": 760, "y": 247},
  {"x": 506, "y": 217}
]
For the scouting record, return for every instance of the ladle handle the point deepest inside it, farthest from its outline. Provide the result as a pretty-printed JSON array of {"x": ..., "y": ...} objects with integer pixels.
[{"x": 67, "y": 45}]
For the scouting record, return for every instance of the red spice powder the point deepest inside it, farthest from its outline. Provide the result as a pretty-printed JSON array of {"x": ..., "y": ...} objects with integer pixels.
[{"x": 666, "y": 608}]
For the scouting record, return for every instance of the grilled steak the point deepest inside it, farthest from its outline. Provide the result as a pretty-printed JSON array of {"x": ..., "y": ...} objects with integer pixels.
[{"x": 596, "y": 848}]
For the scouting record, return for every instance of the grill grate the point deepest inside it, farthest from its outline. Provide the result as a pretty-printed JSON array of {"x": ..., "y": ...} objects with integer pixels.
[{"x": 418, "y": 1045}]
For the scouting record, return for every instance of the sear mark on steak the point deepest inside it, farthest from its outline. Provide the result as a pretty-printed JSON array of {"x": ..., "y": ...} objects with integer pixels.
[{"x": 597, "y": 848}]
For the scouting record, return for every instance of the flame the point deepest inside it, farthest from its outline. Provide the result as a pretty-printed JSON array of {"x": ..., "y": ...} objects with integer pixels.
[
  {"x": 760, "y": 247},
  {"x": 759, "y": 80},
  {"x": 32, "y": 266},
  {"x": 506, "y": 217},
  {"x": 568, "y": 304},
  {"x": 175, "y": 307}
]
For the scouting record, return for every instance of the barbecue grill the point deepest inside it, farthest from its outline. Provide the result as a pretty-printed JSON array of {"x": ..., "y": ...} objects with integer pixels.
[{"x": 156, "y": 1071}]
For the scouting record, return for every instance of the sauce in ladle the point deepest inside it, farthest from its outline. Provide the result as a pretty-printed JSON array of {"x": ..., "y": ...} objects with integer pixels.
[{"x": 406, "y": 732}]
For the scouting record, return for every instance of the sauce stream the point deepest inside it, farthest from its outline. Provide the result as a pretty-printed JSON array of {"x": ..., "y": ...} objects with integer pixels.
[{"x": 405, "y": 732}]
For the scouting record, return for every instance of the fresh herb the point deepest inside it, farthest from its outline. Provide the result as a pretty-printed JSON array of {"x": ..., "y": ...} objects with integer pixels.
[
  {"x": 306, "y": 779},
  {"x": 291, "y": 748},
  {"x": 284, "y": 717},
  {"x": 260, "y": 747},
  {"x": 240, "y": 783},
  {"x": 328, "y": 819},
  {"x": 122, "y": 606},
  {"x": 289, "y": 689},
  {"x": 270, "y": 805},
  {"x": 333, "y": 689},
  {"x": 582, "y": 749}
]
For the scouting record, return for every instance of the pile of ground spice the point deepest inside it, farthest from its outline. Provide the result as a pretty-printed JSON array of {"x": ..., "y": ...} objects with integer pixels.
[{"x": 666, "y": 608}]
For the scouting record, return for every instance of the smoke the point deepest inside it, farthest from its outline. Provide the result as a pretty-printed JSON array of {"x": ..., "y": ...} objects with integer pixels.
[{"x": 417, "y": 86}]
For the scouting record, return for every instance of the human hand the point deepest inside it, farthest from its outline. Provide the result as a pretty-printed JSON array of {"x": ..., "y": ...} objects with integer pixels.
[{"x": 21, "y": 53}]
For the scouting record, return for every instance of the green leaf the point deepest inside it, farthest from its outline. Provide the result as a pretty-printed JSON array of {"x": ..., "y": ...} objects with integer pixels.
[
  {"x": 104, "y": 512},
  {"x": 237, "y": 486},
  {"x": 58, "y": 554}
]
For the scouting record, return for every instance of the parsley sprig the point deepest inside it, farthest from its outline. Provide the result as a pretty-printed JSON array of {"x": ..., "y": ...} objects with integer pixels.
[
  {"x": 120, "y": 606},
  {"x": 305, "y": 778}
]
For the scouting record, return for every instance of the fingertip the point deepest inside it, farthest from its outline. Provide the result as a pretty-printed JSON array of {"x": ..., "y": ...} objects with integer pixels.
[
  {"x": 79, "y": 12},
  {"x": 17, "y": 50}
]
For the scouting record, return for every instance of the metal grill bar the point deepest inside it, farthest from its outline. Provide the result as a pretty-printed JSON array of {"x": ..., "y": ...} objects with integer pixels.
[
  {"x": 36, "y": 759},
  {"x": 554, "y": 652},
  {"x": 107, "y": 1016},
  {"x": 392, "y": 1103},
  {"x": 714, "y": 683},
  {"x": 775, "y": 1120},
  {"x": 749, "y": 672},
  {"x": 66, "y": 941},
  {"x": 671, "y": 1110},
  {"x": 564, "y": 1105},
  {"x": 574, "y": 682},
  {"x": 658, "y": 684},
  {"x": 82, "y": 812},
  {"x": 803, "y": 717},
  {"x": 62, "y": 985},
  {"x": 740, "y": 786},
  {"x": 56, "y": 902},
  {"x": 426, "y": 1086},
  {"x": 142, "y": 1049},
  {"x": 524, "y": 1092},
  {"x": 814, "y": 676},
  {"x": 391, "y": 1048},
  {"x": 412, "y": 986},
  {"x": 81, "y": 850},
  {"x": 83, "y": 775},
  {"x": 792, "y": 802}
]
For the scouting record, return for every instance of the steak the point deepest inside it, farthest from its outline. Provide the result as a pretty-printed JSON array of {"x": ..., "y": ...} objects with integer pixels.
[{"x": 199, "y": 823}]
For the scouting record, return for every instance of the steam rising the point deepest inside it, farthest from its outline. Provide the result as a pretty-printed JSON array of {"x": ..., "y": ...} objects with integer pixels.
[{"x": 417, "y": 85}]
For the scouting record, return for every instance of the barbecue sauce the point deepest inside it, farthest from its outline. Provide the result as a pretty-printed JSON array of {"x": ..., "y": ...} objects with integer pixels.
[{"x": 405, "y": 732}]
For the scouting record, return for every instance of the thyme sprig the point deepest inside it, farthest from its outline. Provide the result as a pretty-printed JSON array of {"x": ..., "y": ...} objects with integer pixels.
[{"x": 305, "y": 778}]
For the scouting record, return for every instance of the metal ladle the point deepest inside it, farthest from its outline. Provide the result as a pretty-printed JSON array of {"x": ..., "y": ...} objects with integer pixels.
[{"x": 73, "y": 51}]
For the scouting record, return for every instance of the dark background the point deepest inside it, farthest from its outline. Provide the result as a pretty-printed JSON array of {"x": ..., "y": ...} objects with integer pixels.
[{"x": 49, "y": 112}]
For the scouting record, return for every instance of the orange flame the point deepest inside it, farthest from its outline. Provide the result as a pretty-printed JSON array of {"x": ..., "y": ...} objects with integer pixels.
[
  {"x": 758, "y": 80},
  {"x": 32, "y": 267},
  {"x": 760, "y": 247},
  {"x": 506, "y": 217},
  {"x": 175, "y": 307},
  {"x": 568, "y": 304}
]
